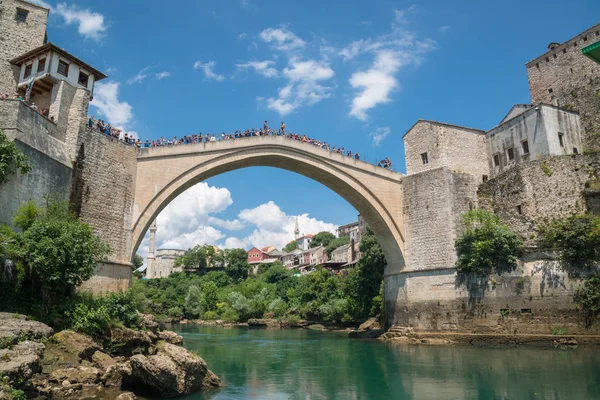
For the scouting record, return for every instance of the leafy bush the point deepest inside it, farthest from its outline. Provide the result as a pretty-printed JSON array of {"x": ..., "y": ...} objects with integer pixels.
[
  {"x": 120, "y": 307},
  {"x": 11, "y": 159},
  {"x": 210, "y": 315},
  {"x": 278, "y": 307},
  {"x": 93, "y": 321},
  {"x": 230, "y": 315},
  {"x": 209, "y": 297},
  {"x": 486, "y": 246},
  {"x": 588, "y": 298},
  {"x": 578, "y": 240}
]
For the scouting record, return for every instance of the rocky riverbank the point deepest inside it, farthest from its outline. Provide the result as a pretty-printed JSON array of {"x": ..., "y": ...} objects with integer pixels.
[{"x": 37, "y": 363}]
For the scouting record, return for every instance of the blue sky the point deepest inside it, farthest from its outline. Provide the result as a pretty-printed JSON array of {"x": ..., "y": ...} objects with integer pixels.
[{"x": 354, "y": 73}]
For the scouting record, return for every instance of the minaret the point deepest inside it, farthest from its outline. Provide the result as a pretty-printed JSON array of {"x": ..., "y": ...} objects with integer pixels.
[
  {"x": 150, "y": 258},
  {"x": 297, "y": 230}
]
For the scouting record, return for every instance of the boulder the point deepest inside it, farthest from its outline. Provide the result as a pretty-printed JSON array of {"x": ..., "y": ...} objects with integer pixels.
[
  {"x": 81, "y": 375},
  {"x": 149, "y": 322},
  {"x": 103, "y": 360},
  {"x": 127, "y": 342},
  {"x": 173, "y": 371},
  {"x": 369, "y": 325},
  {"x": 21, "y": 361},
  {"x": 126, "y": 396},
  {"x": 372, "y": 334},
  {"x": 76, "y": 343},
  {"x": 15, "y": 328},
  {"x": 171, "y": 337}
]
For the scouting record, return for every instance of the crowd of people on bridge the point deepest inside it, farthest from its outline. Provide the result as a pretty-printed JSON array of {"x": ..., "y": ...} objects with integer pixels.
[{"x": 208, "y": 137}]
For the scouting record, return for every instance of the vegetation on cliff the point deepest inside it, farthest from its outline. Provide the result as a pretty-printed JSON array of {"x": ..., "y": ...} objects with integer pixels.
[
  {"x": 577, "y": 239},
  {"x": 486, "y": 245},
  {"x": 11, "y": 159},
  {"x": 233, "y": 295}
]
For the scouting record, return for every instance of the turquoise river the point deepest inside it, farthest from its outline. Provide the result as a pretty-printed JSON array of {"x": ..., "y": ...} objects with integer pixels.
[{"x": 304, "y": 364}]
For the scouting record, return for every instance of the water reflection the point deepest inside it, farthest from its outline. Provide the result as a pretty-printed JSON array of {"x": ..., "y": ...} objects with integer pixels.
[{"x": 302, "y": 364}]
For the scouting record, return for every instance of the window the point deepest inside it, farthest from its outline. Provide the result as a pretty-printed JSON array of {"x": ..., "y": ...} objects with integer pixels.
[
  {"x": 83, "y": 79},
  {"x": 525, "y": 146},
  {"x": 537, "y": 65},
  {"x": 561, "y": 140},
  {"x": 510, "y": 152},
  {"x": 550, "y": 90},
  {"x": 424, "y": 158},
  {"x": 63, "y": 68},
  {"x": 565, "y": 50},
  {"x": 21, "y": 15},
  {"x": 555, "y": 55},
  {"x": 547, "y": 59},
  {"x": 28, "y": 71},
  {"x": 496, "y": 160},
  {"x": 519, "y": 210},
  {"x": 485, "y": 178},
  {"x": 41, "y": 65},
  {"x": 575, "y": 151}
]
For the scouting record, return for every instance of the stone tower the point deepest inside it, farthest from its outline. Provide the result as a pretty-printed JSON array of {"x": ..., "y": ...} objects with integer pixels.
[
  {"x": 25, "y": 24},
  {"x": 151, "y": 251},
  {"x": 564, "y": 77},
  {"x": 296, "y": 230}
]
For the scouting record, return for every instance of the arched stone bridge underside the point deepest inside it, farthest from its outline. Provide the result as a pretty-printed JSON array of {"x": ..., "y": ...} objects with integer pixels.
[{"x": 165, "y": 172}]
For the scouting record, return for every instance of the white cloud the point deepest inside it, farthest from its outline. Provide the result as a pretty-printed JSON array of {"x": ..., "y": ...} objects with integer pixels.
[
  {"x": 391, "y": 52},
  {"x": 375, "y": 84},
  {"x": 248, "y": 6},
  {"x": 242, "y": 35},
  {"x": 444, "y": 28},
  {"x": 263, "y": 68},
  {"x": 274, "y": 227},
  {"x": 208, "y": 69},
  {"x": 139, "y": 77},
  {"x": 162, "y": 75},
  {"x": 230, "y": 225},
  {"x": 106, "y": 101},
  {"x": 379, "y": 135},
  {"x": 304, "y": 87},
  {"x": 89, "y": 24},
  {"x": 282, "y": 39}
]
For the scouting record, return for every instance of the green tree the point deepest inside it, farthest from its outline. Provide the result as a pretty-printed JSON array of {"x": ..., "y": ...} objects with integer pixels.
[
  {"x": 322, "y": 239},
  {"x": 57, "y": 251},
  {"x": 193, "y": 307},
  {"x": 236, "y": 264},
  {"x": 11, "y": 159},
  {"x": 588, "y": 298},
  {"x": 199, "y": 257},
  {"x": 335, "y": 243},
  {"x": 291, "y": 246},
  {"x": 138, "y": 261},
  {"x": 363, "y": 283},
  {"x": 486, "y": 246},
  {"x": 578, "y": 240},
  {"x": 209, "y": 297}
]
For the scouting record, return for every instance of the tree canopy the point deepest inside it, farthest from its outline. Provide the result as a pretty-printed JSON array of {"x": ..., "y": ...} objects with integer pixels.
[
  {"x": 200, "y": 257},
  {"x": 291, "y": 246},
  {"x": 322, "y": 239}
]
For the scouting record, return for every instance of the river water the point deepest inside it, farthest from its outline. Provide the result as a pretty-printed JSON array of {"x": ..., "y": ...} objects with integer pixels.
[{"x": 304, "y": 364}]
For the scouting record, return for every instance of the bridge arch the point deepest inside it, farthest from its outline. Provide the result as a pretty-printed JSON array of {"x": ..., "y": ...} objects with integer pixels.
[{"x": 163, "y": 173}]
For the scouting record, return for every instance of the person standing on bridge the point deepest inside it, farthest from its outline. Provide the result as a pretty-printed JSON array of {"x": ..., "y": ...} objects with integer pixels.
[
  {"x": 282, "y": 128},
  {"x": 265, "y": 127}
]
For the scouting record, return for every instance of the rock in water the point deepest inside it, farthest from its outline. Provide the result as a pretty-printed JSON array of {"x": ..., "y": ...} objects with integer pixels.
[
  {"x": 22, "y": 361},
  {"x": 173, "y": 371},
  {"x": 127, "y": 342},
  {"x": 370, "y": 324},
  {"x": 171, "y": 337}
]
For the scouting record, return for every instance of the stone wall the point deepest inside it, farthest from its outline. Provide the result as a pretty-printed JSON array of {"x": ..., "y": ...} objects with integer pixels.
[
  {"x": 51, "y": 173},
  {"x": 103, "y": 189},
  {"x": 17, "y": 38},
  {"x": 537, "y": 191},
  {"x": 433, "y": 203},
  {"x": 108, "y": 277},
  {"x": 457, "y": 148},
  {"x": 565, "y": 76},
  {"x": 535, "y": 298}
]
